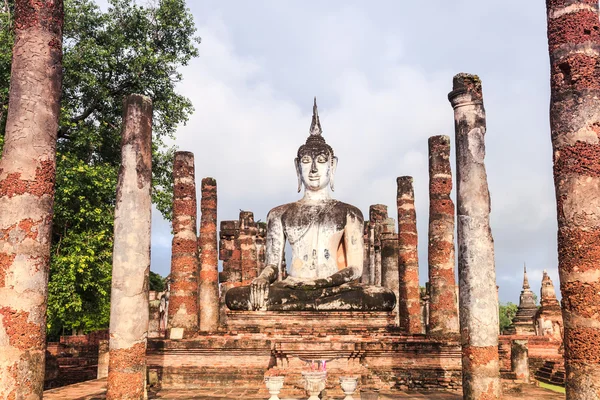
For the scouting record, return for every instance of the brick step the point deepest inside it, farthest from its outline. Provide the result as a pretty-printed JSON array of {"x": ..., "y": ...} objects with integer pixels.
[
  {"x": 509, "y": 375},
  {"x": 543, "y": 374},
  {"x": 70, "y": 361}
]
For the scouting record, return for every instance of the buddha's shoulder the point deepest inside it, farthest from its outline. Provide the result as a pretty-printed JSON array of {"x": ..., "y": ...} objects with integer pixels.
[
  {"x": 336, "y": 207},
  {"x": 348, "y": 209},
  {"x": 280, "y": 210}
]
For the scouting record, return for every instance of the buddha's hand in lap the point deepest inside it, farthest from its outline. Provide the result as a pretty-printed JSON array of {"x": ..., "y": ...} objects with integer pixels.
[
  {"x": 259, "y": 294},
  {"x": 305, "y": 284}
]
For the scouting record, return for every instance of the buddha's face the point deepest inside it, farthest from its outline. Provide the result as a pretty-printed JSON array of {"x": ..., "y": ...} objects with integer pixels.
[{"x": 315, "y": 170}]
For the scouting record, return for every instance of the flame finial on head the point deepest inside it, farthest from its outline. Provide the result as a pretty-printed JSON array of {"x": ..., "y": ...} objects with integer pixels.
[
  {"x": 315, "y": 143},
  {"x": 315, "y": 126}
]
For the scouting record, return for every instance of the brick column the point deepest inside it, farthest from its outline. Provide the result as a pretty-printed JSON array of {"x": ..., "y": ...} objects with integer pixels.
[
  {"x": 443, "y": 318},
  {"x": 409, "y": 303},
  {"x": 477, "y": 272},
  {"x": 183, "y": 300},
  {"x": 574, "y": 45},
  {"x": 27, "y": 176},
  {"x": 131, "y": 255},
  {"x": 248, "y": 249},
  {"x": 229, "y": 252},
  {"x": 389, "y": 266},
  {"x": 378, "y": 214},
  {"x": 261, "y": 245},
  {"x": 371, "y": 252},
  {"x": 209, "y": 278}
]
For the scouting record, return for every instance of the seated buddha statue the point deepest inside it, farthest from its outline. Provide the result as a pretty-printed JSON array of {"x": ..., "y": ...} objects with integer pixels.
[{"x": 326, "y": 237}]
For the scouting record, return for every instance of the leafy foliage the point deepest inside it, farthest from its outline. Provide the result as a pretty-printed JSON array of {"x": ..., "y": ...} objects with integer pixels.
[
  {"x": 157, "y": 282},
  {"x": 81, "y": 260},
  {"x": 6, "y": 42},
  {"x": 107, "y": 55},
  {"x": 507, "y": 313}
]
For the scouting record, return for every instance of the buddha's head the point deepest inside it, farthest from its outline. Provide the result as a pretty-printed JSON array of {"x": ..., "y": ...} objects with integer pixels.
[{"x": 315, "y": 162}]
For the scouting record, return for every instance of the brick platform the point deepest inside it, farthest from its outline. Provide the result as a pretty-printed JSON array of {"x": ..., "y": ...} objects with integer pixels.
[
  {"x": 310, "y": 322},
  {"x": 353, "y": 343},
  {"x": 94, "y": 390}
]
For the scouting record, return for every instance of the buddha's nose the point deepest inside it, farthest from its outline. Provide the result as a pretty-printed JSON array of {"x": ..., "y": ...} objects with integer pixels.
[{"x": 313, "y": 167}]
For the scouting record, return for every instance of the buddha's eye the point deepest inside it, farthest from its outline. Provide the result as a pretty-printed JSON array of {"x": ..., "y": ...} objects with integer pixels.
[
  {"x": 306, "y": 160},
  {"x": 321, "y": 159}
]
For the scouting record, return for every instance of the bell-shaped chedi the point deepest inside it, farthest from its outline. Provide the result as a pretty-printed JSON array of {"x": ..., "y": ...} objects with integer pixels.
[
  {"x": 548, "y": 319},
  {"x": 523, "y": 320}
]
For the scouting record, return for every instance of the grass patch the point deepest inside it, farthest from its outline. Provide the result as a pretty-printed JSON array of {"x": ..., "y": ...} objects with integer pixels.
[{"x": 554, "y": 388}]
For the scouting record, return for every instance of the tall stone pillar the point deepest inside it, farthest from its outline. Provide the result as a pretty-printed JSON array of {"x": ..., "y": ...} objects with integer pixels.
[
  {"x": 209, "y": 258},
  {"x": 476, "y": 269},
  {"x": 409, "y": 303},
  {"x": 183, "y": 300},
  {"x": 27, "y": 175},
  {"x": 131, "y": 254},
  {"x": 443, "y": 318},
  {"x": 519, "y": 359},
  {"x": 574, "y": 45}
]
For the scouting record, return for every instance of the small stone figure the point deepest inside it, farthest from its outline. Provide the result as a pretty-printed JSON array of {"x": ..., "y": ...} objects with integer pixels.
[{"x": 327, "y": 246}]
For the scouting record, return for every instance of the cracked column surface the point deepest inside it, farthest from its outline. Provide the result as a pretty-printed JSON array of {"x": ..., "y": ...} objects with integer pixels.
[
  {"x": 27, "y": 175},
  {"x": 443, "y": 316},
  {"x": 476, "y": 269},
  {"x": 183, "y": 300},
  {"x": 209, "y": 258},
  {"x": 574, "y": 46},
  {"x": 409, "y": 299},
  {"x": 131, "y": 254}
]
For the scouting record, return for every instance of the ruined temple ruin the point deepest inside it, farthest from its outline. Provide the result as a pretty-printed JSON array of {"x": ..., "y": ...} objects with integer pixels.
[{"x": 347, "y": 310}]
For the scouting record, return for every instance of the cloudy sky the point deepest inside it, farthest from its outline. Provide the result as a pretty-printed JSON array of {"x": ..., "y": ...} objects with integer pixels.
[{"x": 381, "y": 71}]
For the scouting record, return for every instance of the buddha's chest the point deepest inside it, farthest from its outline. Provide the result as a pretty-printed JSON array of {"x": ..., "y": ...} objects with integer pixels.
[
  {"x": 315, "y": 240},
  {"x": 313, "y": 226}
]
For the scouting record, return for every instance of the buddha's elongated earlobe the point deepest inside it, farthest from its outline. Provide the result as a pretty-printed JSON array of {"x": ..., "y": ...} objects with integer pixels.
[
  {"x": 298, "y": 174},
  {"x": 334, "y": 162}
]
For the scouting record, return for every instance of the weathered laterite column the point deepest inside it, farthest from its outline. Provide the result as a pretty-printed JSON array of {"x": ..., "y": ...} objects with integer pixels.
[
  {"x": 519, "y": 359},
  {"x": 409, "y": 301},
  {"x": 27, "y": 174},
  {"x": 131, "y": 254},
  {"x": 476, "y": 269},
  {"x": 183, "y": 300},
  {"x": 443, "y": 318},
  {"x": 209, "y": 258},
  {"x": 574, "y": 45}
]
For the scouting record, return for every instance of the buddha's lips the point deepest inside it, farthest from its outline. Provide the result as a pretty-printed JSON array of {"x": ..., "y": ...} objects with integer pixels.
[{"x": 313, "y": 178}]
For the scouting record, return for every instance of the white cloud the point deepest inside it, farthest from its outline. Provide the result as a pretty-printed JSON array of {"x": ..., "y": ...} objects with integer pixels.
[{"x": 381, "y": 73}]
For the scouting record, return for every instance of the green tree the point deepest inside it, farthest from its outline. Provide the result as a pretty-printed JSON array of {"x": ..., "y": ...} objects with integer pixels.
[
  {"x": 157, "y": 282},
  {"x": 107, "y": 54},
  {"x": 507, "y": 313}
]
